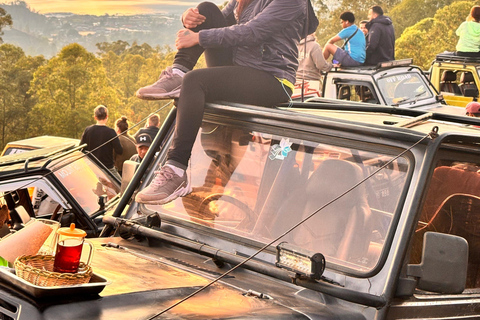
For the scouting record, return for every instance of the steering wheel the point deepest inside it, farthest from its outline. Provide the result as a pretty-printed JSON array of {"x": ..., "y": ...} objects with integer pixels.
[
  {"x": 205, "y": 211},
  {"x": 55, "y": 212}
]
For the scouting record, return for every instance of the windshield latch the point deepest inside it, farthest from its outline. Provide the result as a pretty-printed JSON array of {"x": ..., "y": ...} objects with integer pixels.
[{"x": 256, "y": 294}]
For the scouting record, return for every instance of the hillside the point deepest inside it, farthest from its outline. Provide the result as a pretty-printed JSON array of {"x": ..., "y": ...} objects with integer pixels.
[{"x": 40, "y": 34}]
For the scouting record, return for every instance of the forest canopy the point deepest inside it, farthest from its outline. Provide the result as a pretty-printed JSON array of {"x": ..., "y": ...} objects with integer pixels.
[{"x": 57, "y": 96}]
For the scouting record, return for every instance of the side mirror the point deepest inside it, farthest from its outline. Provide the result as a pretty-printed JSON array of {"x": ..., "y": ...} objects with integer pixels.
[{"x": 444, "y": 264}]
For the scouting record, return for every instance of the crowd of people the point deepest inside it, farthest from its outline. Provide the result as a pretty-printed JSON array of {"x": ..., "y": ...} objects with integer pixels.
[
  {"x": 253, "y": 49},
  {"x": 369, "y": 43},
  {"x": 112, "y": 147}
]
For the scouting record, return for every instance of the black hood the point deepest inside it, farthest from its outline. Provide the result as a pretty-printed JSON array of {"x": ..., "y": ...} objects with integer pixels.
[{"x": 380, "y": 19}]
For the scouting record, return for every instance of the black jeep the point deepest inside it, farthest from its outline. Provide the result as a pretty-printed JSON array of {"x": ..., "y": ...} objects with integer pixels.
[{"x": 314, "y": 211}]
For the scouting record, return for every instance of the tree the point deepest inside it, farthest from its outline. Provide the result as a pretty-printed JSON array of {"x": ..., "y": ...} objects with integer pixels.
[
  {"x": 409, "y": 12},
  {"x": 15, "y": 102},
  {"x": 68, "y": 88},
  {"x": 118, "y": 47},
  {"x": 5, "y": 20},
  {"x": 434, "y": 35}
]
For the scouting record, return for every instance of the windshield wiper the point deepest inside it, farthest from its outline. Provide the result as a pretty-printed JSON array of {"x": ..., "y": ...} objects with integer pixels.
[{"x": 412, "y": 100}]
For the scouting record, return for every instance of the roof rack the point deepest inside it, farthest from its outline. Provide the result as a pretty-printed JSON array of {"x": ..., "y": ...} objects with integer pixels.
[
  {"x": 381, "y": 65},
  {"x": 394, "y": 63},
  {"x": 451, "y": 56}
]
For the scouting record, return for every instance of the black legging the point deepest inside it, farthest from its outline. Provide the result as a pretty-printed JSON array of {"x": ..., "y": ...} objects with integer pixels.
[{"x": 220, "y": 81}]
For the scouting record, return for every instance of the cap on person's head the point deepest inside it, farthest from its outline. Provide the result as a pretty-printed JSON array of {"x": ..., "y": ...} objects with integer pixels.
[
  {"x": 144, "y": 140},
  {"x": 473, "y": 107}
]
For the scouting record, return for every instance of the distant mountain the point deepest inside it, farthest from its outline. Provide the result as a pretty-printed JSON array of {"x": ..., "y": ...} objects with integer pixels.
[{"x": 39, "y": 34}]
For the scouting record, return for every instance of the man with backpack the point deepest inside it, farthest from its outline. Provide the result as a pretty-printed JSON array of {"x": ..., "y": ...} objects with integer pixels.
[{"x": 352, "y": 54}]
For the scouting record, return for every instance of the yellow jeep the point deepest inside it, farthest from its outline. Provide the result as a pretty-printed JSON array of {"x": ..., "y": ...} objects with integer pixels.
[{"x": 456, "y": 78}]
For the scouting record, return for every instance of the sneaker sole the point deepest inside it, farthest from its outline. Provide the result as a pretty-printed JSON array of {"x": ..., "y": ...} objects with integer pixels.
[
  {"x": 165, "y": 96},
  {"x": 178, "y": 193}
]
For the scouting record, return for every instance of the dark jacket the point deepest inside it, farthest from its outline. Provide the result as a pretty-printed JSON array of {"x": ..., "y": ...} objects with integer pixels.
[
  {"x": 151, "y": 131},
  {"x": 129, "y": 149},
  {"x": 380, "y": 40},
  {"x": 96, "y": 138},
  {"x": 266, "y": 36}
]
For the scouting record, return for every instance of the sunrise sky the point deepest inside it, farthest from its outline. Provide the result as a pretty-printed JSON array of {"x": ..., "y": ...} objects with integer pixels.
[{"x": 100, "y": 7}]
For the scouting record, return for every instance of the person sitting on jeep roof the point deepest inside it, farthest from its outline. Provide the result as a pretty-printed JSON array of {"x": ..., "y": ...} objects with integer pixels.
[
  {"x": 352, "y": 54},
  {"x": 363, "y": 26},
  {"x": 468, "y": 44},
  {"x": 257, "y": 59},
  {"x": 311, "y": 62},
  {"x": 380, "y": 38}
]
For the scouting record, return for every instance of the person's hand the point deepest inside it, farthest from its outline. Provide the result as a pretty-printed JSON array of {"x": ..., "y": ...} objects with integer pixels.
[
  {"x": 192, "y": 18},
  {"x": 186, "y": 38}
]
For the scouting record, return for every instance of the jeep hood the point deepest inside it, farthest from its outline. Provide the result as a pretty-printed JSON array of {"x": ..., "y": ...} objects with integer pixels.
[{"x": 156, "y": 282}]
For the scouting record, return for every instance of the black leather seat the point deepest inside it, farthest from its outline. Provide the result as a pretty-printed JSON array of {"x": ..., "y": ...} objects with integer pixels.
[
  {"x": 448, "y": 82},
  {"x": 467, "y": 85},
  {"x": 343, "y": 229}
]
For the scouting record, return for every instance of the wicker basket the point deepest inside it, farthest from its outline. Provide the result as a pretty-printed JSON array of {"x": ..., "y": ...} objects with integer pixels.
[{"x": 38, "y": 269}]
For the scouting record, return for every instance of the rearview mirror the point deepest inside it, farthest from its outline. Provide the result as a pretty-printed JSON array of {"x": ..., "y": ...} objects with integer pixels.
[{"x": 444, "y": 264}]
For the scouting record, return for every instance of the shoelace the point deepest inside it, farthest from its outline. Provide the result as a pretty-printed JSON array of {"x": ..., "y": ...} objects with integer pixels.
[
  {"x": 166, "y": 74},
  {"x": 161, "y": 176}
]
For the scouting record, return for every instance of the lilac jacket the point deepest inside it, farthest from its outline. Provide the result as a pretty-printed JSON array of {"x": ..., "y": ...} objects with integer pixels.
[{"x": 266, "y": 36}]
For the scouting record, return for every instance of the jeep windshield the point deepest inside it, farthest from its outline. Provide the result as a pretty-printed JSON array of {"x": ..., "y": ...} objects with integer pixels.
[
  {"x": 404, "y": 88},
  {"x": 86, "y": 182},
  {"x": 252, "y": 186}
]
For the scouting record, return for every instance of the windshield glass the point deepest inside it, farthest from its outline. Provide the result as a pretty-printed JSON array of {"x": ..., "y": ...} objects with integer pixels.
[
  {"x": 257, "y": 185},
  {"x": 86, "y": 182},
  {"x": 404, "y": 88}
]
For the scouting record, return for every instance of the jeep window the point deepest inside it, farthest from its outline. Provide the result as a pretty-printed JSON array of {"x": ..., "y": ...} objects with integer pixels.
[
  {"x": 254, "y": 185},
  {"x": 86, "y": 182},
  {"x": 458, "y": 82},
  {"x": 452, "y": 205},
  {"x": 355, "y": 92},
  {"x": 404, "y": 88}
]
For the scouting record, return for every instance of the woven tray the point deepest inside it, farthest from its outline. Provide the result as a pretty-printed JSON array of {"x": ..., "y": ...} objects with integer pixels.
[{"x": 38, "y": 269}]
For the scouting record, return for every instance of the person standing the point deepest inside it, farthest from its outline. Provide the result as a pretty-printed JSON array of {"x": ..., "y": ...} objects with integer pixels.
[
  {"x": 252, "y": 57},
  {"x": 353, "y": 54},
  {"x": 143, "y": 142},
  {"x": 102, "y": 140},
  {"x": 468, "y": 44},
  {"x": 127, "y": 142},
  {"x": 151, "y": 126},
  {"x": 380, "y": 38}
]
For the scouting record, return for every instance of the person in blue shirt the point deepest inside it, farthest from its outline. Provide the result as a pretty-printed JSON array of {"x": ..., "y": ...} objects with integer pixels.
[{"x": 352, "y": 54}]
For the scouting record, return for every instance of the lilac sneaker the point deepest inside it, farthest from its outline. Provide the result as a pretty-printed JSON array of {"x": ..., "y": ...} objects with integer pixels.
[
  {"x": 165, "y": 187},
  {"x": 167, "y": 87}
]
